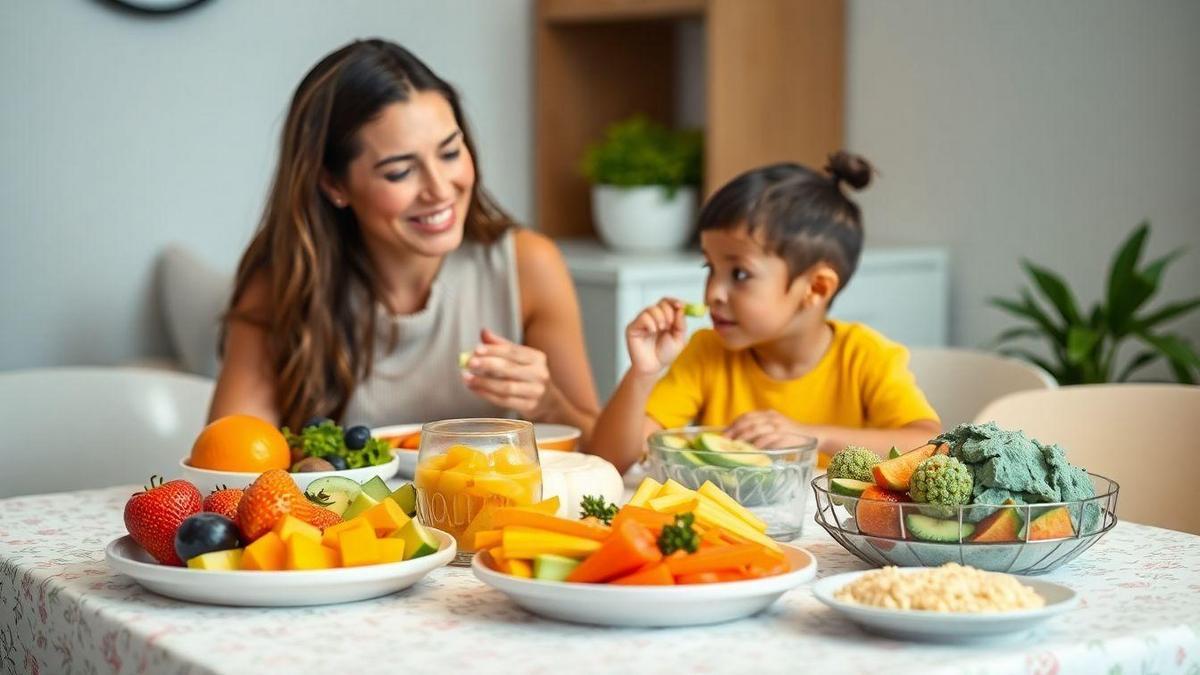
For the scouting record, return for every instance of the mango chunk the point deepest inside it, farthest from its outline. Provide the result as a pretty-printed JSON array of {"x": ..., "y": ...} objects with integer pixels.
[
  {"x": 330, "y": 536},
  {"x": 266, "y": 553},
  {"x": 305, "y": 554},
  {"x": 386, "y": 517},
  {"x": 358, "y": 546},
  {"x": 217, "y": 560},
  {"x": 391, "y": 550},
  {"x": 290, "y": 526}
]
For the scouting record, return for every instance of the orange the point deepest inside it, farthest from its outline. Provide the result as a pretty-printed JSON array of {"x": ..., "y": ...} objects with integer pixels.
[{"x": 240, "y": 443}]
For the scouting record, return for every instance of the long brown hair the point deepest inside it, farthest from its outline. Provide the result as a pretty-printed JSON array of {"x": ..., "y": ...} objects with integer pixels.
[{"x": 320, "y": 322}]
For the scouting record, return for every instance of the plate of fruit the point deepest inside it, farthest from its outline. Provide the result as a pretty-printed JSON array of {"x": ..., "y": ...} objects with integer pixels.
[
  {"x": 272, "y": 545},
  {"x": 671, "y": 557},
  {"x": 978, "y": 495},
  {"x": 234, "y": 450}
]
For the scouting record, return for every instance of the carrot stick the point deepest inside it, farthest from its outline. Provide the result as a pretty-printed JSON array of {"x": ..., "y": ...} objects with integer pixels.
[
  {"x": 651, "y": 519},
  {"x": 715, "y": 559},
  {"x": 504, "y": 517},
  {"x": 630, "y": 547},
  {"x": 488, "y": 539},
  {"x": 657, "y": 574}
]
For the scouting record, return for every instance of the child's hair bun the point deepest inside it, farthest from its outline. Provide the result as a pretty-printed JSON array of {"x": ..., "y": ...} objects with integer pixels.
[{"x": 850, "y": 169}]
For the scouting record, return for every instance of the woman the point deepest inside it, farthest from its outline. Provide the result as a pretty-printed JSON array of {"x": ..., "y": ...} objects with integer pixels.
[{"x": 380, "y": 258}]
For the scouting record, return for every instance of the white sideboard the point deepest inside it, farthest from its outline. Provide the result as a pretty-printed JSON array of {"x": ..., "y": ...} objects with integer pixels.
[{"x": 901, "y": 292}]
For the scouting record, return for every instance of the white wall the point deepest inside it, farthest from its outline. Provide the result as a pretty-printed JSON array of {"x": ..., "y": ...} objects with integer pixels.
[
  {"x": 1029, "y": 128},
  {"x": 121, "y": 134}
]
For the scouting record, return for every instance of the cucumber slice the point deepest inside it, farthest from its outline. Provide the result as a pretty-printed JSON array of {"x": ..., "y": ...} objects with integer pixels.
[
  {"x": 549, "y": 567},
  {"x": 721, "y": 451},
  {"x": 848, "y": 487},
  {"x": 674, "y": 441},
  {"x": 378, "y": 489},
  {"x": 418, "y": 541},
  {"x": 335, "y": 493},
  {"x": 936, "y": 529},
  {"x": 406, "y": 497},
  {"x": 695, "y": 309}
]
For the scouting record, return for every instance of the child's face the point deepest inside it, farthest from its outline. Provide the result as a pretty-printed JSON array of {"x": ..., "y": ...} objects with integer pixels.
[{"x": 748, "y": 293}]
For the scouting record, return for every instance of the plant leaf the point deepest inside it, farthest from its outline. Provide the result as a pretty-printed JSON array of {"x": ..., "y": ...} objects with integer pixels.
[
  {"x": 1124, "y": 283},
  {"x": 1182, "y": 373},
  {"x": 1080, "y": 343},
  {"x": 1140, "y": 361},
  {"x": 1056, "y": 290},
  {"x": 1153, "y": 272},
  {"x": 1173, "y": 347},
  {"x": 1017, "y": 332},
  {"x": 1167, "y": 313}
]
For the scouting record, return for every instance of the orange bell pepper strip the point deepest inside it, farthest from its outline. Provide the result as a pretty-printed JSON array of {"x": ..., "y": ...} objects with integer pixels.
[
  {"x": 657, "y": 574},
  {"x": 504, "y": 517},
  {"x": 630, "y": 547},
  {"x": 488, "y": 539},
  {"x": 718, "y": 559}
]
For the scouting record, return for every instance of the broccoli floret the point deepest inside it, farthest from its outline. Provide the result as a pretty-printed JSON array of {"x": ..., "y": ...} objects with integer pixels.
[
  {"x": 853, "y": 462},
  {"x": 943, "y": 481}
]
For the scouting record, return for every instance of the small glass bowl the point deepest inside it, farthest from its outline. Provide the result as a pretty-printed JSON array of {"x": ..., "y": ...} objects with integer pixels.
[
  {"x": 771, "y": 483},
  {"x": 467, "y": 465},
  {"x": 882, "y": 532}
]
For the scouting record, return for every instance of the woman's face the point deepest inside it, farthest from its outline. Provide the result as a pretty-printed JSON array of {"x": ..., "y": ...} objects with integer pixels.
[{"x": 411, "y": 184}]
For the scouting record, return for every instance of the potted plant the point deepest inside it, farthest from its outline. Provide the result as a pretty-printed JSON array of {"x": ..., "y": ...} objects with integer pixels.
[
  {"x": 1084, "y": 344},
  {"x": 644, "y": 179}
]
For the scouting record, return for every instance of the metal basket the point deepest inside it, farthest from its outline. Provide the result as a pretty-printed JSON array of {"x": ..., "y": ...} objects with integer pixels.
[{"x": 1090, "y": 519}]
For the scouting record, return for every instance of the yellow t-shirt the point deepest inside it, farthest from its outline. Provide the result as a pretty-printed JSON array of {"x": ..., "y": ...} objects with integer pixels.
[{"x": 862, "y": 381}]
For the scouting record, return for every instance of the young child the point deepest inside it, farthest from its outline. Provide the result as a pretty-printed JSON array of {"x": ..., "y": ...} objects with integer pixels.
[{"x": 780, "y": 242}]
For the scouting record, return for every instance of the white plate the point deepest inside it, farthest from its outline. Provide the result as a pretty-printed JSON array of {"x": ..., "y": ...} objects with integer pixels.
[
  {"x": 645, "y": 606},
  {"x": 952, "y": 627},
  {"x": 208, "y": 480},
  {"x": 273, "y": 589}
]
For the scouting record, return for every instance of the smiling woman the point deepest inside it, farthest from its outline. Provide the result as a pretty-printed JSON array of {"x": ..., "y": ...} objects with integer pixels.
[{"x": 380, "y": 258}]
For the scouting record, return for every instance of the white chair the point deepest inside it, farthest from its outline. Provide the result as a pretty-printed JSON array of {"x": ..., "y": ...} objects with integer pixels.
[
  {"x": 1144, "y": 436},
  {"x": 74, "y": 428},
  {"x": 960, "y": 382}
]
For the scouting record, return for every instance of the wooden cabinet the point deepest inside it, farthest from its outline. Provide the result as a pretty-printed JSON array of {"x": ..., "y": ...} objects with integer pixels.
[
  {"x": 901, "y": 292},
  {"x": 770, "y": 81}
]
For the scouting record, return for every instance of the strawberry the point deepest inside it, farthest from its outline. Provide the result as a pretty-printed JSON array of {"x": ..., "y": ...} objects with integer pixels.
[
  {"x": 153, "y": 515},
  {"x": 272, "y": 496},
  {"x": 323, "y": 518},
  {"x": 224, "y": 501}
]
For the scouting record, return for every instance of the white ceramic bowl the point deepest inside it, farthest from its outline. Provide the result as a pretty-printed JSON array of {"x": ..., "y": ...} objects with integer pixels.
[
  {"x": 950, "y": 627},
  {"x": 208, "y": 480},
  {"x": 408, "y": 457},
  {"x": 646, "y": 606},
  {"x": 273, "y": 589}
]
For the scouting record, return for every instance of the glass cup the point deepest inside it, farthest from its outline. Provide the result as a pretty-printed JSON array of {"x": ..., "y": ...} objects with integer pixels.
[
  {"x": 466, "y": 467},
  {"x": 772, "y": 483}
]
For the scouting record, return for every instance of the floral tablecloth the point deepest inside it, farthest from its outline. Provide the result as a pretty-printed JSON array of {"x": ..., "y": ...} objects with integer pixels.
[{"x": 63, "y": 611}]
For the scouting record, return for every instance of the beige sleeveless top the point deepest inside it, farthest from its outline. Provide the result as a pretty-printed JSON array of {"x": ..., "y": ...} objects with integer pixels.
[{"x": 419, "y": 380}]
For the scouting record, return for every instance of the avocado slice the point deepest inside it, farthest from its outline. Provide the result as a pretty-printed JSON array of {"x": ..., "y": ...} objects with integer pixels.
[
  {"x": 548, "y": 567},
  {"x": 360, "y": 505},
  {"x": 406, "y": 497},
  {"x": 674, "y": 441},
  {"x": 926, "y": 528},
  {"x": 378, "y": 489},
  {"x": 721, "y": 451}
]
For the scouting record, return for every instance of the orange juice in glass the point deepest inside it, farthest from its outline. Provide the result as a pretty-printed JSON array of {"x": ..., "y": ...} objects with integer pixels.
[{"x": 468, "y": 465}]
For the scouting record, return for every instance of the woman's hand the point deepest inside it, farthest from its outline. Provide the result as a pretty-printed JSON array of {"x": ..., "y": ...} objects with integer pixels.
[
  {"x": 512, "y": 376},
  {"x": 769, "y": 429},
  {"x": 656, "y": 336}
]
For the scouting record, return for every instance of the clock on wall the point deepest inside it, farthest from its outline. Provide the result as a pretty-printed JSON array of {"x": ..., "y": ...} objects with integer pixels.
[{"x": 155, "y": 7}]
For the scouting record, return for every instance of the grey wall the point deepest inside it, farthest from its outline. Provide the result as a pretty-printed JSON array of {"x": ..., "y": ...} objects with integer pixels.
[
  {"x": 1002, "y": 129},
  {"x": 1029, "y": 128},
  {"x": 120, "y": 134}
]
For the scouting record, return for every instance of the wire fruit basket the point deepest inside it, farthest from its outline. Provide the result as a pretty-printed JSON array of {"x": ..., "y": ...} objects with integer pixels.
[{"x": 1012, "y": 538}]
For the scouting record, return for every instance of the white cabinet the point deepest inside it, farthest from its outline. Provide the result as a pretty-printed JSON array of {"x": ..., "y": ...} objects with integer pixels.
[{"x": 901, "y": 292}]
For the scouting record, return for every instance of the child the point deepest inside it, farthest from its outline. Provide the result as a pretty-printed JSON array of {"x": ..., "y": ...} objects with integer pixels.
[{"x": 780, "y": 242}]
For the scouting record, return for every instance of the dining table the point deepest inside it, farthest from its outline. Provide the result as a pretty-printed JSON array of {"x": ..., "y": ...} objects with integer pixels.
[{"x": 62, "y": 610}]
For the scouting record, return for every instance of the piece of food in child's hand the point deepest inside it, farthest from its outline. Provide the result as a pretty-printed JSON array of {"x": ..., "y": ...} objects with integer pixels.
[
  {"x": 463, "y": 357},
  {"x": 695, "y": 309}
]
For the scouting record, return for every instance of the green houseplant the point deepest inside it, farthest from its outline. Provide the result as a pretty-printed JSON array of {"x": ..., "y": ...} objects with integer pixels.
[
  {"x": 644, "y": 179},
  {"x": 1084, "y": 346}
]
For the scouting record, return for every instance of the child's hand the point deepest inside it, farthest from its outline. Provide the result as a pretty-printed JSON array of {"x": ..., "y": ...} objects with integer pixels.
[
  {"x": 656, "y": 336},
  {"x": 768, "y": 429}
]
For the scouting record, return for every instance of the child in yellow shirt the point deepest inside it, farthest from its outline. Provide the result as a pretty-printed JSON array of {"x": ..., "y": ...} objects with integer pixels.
[{"x": 780, "y": 242}]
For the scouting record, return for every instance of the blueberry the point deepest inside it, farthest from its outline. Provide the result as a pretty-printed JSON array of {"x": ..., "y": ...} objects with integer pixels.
[
  {"x": 357, "y": 437},
  {"x": 315, "y": 422},
  {"x": 338, "y": 462},
  {"x": 204, "y": 533}
]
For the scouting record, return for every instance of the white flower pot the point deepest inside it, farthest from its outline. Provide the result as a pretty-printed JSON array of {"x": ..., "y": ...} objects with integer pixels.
[{"x": 644, "y": 219}]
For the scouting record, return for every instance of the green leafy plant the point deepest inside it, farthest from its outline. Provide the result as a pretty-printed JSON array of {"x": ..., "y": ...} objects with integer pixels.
[
  {"x": 1084, "y": 345},
  {"x": 638, "y": 152}
]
